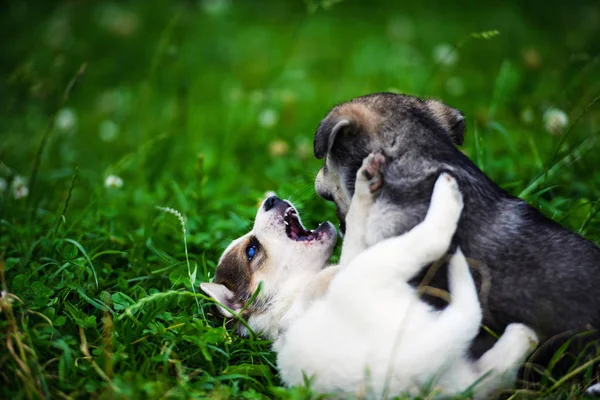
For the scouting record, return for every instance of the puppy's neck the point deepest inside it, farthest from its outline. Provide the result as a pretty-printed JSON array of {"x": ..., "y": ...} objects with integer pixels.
[{"x": 280, "y": 299}]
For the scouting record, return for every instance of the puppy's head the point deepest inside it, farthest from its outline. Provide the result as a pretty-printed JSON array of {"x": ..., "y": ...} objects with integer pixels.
[
  {"x": 277, "y": 249},
  {"x": 388, "y": 122}
]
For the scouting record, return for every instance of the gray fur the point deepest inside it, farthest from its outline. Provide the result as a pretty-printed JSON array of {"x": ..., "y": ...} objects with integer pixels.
[{"x": 542, "y": 275}]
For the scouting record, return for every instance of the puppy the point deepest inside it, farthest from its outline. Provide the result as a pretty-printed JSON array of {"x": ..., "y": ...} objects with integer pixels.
[
  {"x": 359, "y": 328},
  {"x": 541, "y": 274}
]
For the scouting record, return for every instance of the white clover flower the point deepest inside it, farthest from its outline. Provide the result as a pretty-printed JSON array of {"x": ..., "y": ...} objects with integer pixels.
[
  {"x": 19, "y": 188},
  {"x": 555, "y": 120},
  {"x": 445, "y": 54},
  {"x": 3, "y": 185},
  {"x": 66, "y": 120},
  {"x": 108, "y": 130},
  {"x": 268, "y": 118},
  {"x": 113, "y": 181}
]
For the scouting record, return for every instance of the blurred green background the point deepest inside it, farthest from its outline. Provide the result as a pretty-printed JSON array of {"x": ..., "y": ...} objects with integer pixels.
[{"x": 205, "y": 105}]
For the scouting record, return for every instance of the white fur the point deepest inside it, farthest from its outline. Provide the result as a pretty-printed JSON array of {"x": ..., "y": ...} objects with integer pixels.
[
  {"x": 593, "y": 390},
  {"x": 370, "y": 333},
  {"x": 360, "y": 328}
]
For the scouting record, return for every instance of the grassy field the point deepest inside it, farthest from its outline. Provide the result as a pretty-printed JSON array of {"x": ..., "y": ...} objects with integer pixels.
[{"x": 110, "y": 111}]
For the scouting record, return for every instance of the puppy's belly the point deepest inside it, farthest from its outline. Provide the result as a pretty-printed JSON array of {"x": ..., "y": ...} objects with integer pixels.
[{"x": 346, "y": 353}]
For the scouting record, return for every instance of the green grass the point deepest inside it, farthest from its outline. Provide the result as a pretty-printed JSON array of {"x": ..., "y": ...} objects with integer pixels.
[{"x": 100, "y": 288}]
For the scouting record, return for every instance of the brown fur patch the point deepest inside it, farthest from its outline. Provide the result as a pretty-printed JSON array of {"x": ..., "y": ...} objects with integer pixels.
[
  {"x": 450, "y": 119},
  {"x": 237, "y": 273},
  {"x": 363, "y": 118},
  {"x": 234, "y": 271}
]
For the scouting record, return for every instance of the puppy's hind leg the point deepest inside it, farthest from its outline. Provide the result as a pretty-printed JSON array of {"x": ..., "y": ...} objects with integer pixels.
[
  {"x": 369, "y": 181},
  {"x": 462, "y": 318},
  {"x": 499, "y": 365}
]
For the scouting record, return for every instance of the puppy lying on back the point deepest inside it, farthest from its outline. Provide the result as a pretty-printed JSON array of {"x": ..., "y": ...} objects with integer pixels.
[{"x": 360, "y": 328}]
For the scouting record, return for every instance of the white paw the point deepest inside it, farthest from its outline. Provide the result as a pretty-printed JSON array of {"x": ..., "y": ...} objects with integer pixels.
[
  {"x": 446, "y": 200},
  {"x": 369, "y": 178},
  {"x": 524, "y": 338},
  {"x": 448, "y": 185}
]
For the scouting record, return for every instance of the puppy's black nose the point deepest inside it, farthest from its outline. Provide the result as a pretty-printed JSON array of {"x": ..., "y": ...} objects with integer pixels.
[{"x": 271, "y": 202}]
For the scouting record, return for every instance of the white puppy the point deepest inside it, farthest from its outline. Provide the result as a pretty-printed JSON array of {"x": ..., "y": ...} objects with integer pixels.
[{"x": 360, "y": 328}]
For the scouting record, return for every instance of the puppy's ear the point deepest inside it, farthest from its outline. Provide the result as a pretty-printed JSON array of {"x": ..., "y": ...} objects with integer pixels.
[
  {"x": 326, "y": 134},
  {"x": 223, "y": 295},
  {"x": 450, "y": 118}
]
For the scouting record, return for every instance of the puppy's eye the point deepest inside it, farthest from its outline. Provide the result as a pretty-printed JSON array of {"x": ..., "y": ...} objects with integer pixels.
[{"x": 250, "y": 252}]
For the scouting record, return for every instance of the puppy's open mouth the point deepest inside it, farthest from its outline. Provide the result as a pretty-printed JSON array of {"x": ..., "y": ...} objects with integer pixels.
[{"x": 294, "y": 228}]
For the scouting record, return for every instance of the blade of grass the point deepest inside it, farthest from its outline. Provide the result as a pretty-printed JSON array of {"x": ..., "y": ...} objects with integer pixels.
[
  {"x": 87, "y": 257},
  {"x": 574, "y": 155},
  {"x": 50, "y": 127}
]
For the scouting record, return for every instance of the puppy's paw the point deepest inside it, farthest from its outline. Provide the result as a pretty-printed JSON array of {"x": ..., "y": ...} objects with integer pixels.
[
  {"x": 523, "y": 340},
  {"x": 446, "y": 200},
  {"x": 369, "y": 178}
]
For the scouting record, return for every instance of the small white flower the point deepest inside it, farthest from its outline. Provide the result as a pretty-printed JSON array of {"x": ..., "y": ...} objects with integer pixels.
[
  {"x": 66, "y": 120},
  {"x": 19, "y": 188},
  {"x": 3, "y": 185},
  {"x": 108, "y": 130},
  {"x": 268, "y": 118},
  {"x": 555, "y": 120},
  {"x": 113, "y": 181},
  {"x": 445, "y": 54}
]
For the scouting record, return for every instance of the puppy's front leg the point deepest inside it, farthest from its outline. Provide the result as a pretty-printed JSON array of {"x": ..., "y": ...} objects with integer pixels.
[
  {"x": 426, "y": 242},
  {"x": 369, "y": 181}
]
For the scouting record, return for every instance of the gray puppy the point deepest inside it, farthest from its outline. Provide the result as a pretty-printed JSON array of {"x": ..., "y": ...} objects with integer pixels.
[{"x": 542, "y": 275}]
